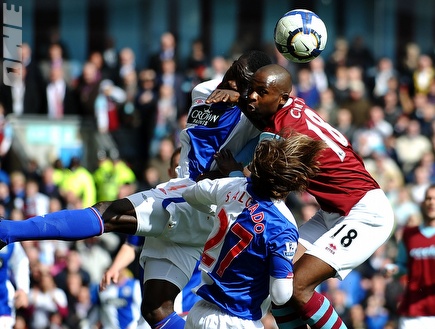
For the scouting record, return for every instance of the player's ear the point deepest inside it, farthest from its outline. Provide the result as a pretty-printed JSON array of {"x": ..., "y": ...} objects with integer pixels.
[
  {"x": 284, "y": 98},
  {"x": 232, "y": 84}
]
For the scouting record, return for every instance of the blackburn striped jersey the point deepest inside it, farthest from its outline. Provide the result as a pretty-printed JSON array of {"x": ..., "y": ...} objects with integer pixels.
[
  {"x": 252, "y": 240},
  {"x": 208, "y": 130},
  {"x": 14, "y": 274},
  {"x": 418, "y": 256},
  {"x": 343, "y": 179}
]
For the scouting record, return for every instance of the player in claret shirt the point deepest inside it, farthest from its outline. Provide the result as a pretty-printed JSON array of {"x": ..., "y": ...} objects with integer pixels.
[
  {"x": 249, "y": 252},
  {"x": 355, "y": 218}
]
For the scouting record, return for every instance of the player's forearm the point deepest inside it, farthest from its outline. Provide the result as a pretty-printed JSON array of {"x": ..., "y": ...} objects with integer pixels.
[{"x": 124, "y": 257}]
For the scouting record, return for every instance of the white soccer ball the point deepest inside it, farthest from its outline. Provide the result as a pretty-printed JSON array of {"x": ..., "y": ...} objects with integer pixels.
[{"x": 300, "y": 35}]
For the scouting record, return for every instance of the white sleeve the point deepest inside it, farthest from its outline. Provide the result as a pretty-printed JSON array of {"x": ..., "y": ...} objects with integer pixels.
[
  {"x": 202, "y": 195},
  {"x": 201, "y": 91},
  {"x": 19, "y": 264},
  {"x": 281, "y": 290}
]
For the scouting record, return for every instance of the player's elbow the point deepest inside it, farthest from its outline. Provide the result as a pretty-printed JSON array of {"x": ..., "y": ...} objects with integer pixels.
[{"x": 281, "y": 290}]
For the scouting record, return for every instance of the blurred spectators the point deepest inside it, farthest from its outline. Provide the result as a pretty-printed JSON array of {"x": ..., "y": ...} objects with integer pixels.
[
  {"x": 61, "y": 98},
  {"x": 385, "y": 109},
  {"x": 411, "y": 140},
  {"x": 162, "y": 159},
  {"x": 415, "y": 259},
  {"x": 87, "y": 89},
  {"x": 358, "y": 103},
  {"x": 168, "y": 51},
  {"x": 197, "y": 63},
  {"x": 146, "y": 102},
  {"x": 110, "y": 175},
  {"x": 305, "y": 87},
  {"x": 95, "y": 254},
  {"x": 317, "y": 68},
  {"x": 35, "y": 202},
  {"x": 118, "y": 306},
  {"x": 424, "y": 74},
  {"x": 79, "y": 183},
  {"x": 45, "y": 299},
  {"x": 56, "y": 59}
]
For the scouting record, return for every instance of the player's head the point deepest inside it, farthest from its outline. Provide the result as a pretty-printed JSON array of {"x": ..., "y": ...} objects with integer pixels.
[
  {"x": 269, "y": 90},
  {"x": 282, "y": 165},
  {"x": 239, "y": 74},
  {"x": 428, "y": 206}
]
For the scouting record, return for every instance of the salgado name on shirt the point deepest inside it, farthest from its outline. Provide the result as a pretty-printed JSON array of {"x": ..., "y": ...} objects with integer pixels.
[{"x": 202, "y": 115}]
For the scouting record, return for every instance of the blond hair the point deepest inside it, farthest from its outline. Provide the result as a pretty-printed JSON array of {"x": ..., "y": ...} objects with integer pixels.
[{"x": 283, "y": 165}]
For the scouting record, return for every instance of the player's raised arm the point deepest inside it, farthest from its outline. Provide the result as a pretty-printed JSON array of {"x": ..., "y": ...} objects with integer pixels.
[{"x": 223, "y": 95}]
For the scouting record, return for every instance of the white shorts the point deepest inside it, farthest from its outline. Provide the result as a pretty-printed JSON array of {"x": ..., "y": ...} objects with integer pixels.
[
  {"x": 416, "y": 322},
  {"x": 182, "y": 257},
  {"x": 161, "y": 212},
  {"x": 344, "y": 242},
  {"x": 205, "y": 315},
  {"x": 163, "y": 269}
]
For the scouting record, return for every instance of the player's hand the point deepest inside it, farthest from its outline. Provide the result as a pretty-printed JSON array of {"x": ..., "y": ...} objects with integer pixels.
[
  {"x": 214, "y": 174},
  {"x": 21, "y": 299},
  {"x": 226, "y": 162},
  {"x": 223, "y": 95},
  {"x": 111, "y": 275}
]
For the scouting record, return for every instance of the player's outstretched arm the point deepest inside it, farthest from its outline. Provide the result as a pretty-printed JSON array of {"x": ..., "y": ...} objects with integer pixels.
[
  {"x": 123, "y": 258},
  {"x": 223, "y": 95}
]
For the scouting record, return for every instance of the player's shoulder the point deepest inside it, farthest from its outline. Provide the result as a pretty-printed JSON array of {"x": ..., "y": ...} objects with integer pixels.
[{"x": 202, "y": 90}]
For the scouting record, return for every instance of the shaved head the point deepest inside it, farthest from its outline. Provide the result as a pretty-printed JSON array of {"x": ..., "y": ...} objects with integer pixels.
[
  {"x": 269, "y": 91},
  {"x": 277, "y": 76}
]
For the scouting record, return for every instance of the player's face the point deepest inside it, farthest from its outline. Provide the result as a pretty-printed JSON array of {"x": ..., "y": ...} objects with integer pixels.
[
  {"x": 429, "y": 205},
  {"x": 264, "y": 97}
]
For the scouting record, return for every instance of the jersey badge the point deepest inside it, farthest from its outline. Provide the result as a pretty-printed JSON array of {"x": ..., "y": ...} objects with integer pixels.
[{"x": 290, "y": 249}]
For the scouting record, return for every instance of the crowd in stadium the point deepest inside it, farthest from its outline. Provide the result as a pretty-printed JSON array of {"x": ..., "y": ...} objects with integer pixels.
[{"x": 385, "y": 108}]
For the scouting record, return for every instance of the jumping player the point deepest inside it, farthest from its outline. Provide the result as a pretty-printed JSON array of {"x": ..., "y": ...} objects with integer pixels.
[
  {"x": 355, "y": 217},
  {"x": 175, "y": 232},
  {"x": 354, "y": 209},
  {"x": 250, "y": 249}
]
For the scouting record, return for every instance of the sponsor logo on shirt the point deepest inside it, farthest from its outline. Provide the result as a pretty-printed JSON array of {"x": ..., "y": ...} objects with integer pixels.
[
  {"x": 290, "y": 249},
  {"x": 331, "y": 248},
  {"x": 203, "y": 115},
  {"x": 423, "y": 253}
]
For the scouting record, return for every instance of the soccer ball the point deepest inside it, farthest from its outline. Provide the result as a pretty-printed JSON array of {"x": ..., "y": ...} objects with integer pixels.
[{"x": 300, "y": 35}]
